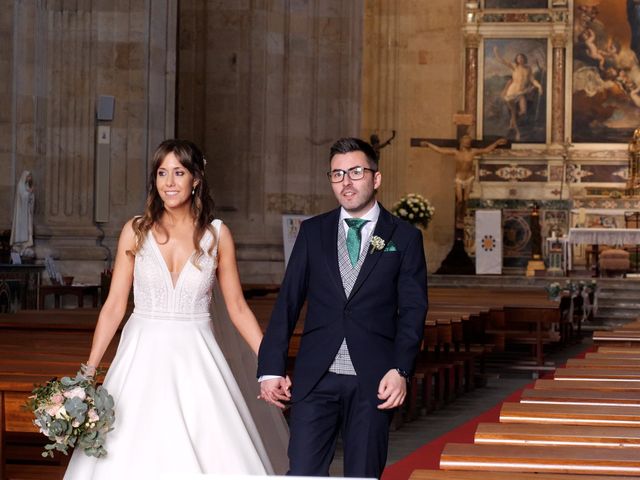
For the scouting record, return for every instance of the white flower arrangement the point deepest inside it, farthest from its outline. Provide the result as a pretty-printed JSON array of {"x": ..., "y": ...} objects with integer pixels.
[{"x": 415, "y": 209}]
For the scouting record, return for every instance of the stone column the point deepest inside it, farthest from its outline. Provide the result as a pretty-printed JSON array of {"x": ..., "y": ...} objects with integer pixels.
[
  {"x": 60, "y": 57},
  {"x": 471, "y": 79},
  {"x": 559, "y": 42}
]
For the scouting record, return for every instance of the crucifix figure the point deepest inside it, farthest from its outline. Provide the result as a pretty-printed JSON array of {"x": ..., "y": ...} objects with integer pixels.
[
  {"x": 464, "y": 153},
  {"x": 374, "y": 140}
]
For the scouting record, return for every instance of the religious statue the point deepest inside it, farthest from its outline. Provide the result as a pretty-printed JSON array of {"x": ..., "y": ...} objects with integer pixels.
[
  {"x": 21, "y": 239},
  {"x": 374, "y": 140},
  {"x": 465, "y": 171},
  {"x": 633, "y": 181}
]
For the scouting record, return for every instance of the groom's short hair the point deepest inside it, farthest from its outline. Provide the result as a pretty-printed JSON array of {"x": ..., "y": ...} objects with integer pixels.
[{"x": 353, "y": 144}]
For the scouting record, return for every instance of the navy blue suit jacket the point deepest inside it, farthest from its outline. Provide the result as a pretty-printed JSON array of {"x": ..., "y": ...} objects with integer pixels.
[{"x": 382, "y": 319}]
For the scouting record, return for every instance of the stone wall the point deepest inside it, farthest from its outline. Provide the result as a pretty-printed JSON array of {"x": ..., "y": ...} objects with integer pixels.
[
  {"x": 265, "y": 88},
  {"x": 58, "y": 58},
  {"x": 413, "y": 83}
]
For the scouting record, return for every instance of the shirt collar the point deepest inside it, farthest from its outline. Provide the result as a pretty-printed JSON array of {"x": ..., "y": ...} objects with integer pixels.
[{"x": 372, "y": 215}]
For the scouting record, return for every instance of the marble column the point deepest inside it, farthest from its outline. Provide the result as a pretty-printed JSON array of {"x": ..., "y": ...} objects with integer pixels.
[
  {"x": 471, "y": 79},
  {"x": 559, "y": 42}
]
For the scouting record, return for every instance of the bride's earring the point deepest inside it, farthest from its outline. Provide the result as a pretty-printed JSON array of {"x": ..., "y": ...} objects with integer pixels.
[{"x": 193, "y": 190}]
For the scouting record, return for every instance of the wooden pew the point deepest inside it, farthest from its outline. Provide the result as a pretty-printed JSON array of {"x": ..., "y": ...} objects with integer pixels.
[
  {"x": 557, "y": 459},
  {"x": 596, "y": 374},
  {"x": 604, "y": 363},
  {"x": 422, "y": 474},
  {"x": 614, "y": 355},
  {"x": 634, "y": 349},
  {"x": 557, "y": 434},
  {"x": 528, "y": 314},
  {"x": 603, "y": 385},
  {"x": 580, "y": 397},
  {"x": 617, "y": 337},
  {"x": 35, "y": 347},
  {"x": 628, "y": 416}
]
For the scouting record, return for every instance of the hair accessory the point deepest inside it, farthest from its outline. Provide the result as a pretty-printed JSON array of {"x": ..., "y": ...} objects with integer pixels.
[{"x": 204, "y": 161}]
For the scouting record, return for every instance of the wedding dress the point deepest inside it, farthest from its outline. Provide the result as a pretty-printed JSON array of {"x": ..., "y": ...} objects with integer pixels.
[{"x": 179, "y": 409}]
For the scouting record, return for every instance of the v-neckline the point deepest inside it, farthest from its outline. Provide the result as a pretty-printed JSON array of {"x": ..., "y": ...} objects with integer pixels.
[{"x": 164, "y": 262}]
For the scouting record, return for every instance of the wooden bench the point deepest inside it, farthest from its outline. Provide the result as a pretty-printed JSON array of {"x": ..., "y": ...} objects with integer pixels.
[
  {"x": 596, "y": 374},
  {"x": 34, "y": 347},
  {"x": 603, "y": 385},
  {"x": 628, "y": 416},
  {"x": 551, "y": 435},
  {"x": 614, "y": 355},
  {"x": 76, "y": 291},
  {"x": 617, "y": 337},
  {"x": 603, "y": 363},
  {"x": 580, "y": 397},
  {"x": 526, "y": 314},
  {"x": 421, "y": 474},
  {"x": 634, "y": 349},
  {"x": 541, "y": 459}
]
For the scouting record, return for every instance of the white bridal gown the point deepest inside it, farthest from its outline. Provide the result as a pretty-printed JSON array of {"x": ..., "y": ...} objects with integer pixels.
[{"x": 178, "y": 407}]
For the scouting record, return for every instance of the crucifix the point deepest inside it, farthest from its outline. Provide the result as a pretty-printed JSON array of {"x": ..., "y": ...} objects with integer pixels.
[{"x": 465, "y": 150}]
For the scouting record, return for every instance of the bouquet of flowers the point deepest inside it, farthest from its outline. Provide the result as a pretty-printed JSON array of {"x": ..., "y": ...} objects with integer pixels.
[
  {"x": 73, "y": 412},
  {"x": 415, "y": 209}
]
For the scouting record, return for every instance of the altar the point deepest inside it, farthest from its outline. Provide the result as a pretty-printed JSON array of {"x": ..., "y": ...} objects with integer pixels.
[{"x": 616, "y": 237}]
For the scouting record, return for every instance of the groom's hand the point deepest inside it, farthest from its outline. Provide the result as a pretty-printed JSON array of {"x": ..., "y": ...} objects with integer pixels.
[
  {"x": 392, "y": 389},
  {"x": 276, "y": 391}
]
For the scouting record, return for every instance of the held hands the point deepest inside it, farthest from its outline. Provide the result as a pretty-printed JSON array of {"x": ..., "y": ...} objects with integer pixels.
[
  {"x": 392, "y": 389},
  {"x": 276, "y": 391}
]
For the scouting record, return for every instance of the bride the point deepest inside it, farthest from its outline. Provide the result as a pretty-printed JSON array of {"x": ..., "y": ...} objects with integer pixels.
[{"x": 181, "y": 407}]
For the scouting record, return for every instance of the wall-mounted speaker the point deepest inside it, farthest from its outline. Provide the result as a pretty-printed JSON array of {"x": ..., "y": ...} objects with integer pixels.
[{"x": 106, "y": 105}]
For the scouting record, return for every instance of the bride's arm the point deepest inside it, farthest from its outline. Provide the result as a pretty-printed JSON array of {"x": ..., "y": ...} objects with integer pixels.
[
  {"x": 229, "y": 281},
  {"x": 115, "y": 305}
]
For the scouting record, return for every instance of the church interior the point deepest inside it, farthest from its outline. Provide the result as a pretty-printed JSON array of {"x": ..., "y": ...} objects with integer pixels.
[{"x": 513, "y": 125}]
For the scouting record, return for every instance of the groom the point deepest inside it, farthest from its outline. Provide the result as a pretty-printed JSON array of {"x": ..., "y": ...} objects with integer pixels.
[{"x": 363, "y": 273}]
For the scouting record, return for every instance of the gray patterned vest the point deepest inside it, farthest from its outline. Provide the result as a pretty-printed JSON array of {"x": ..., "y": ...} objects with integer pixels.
[{"x": 342, "y": 363}]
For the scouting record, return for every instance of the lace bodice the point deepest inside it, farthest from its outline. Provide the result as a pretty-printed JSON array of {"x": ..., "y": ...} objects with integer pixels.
[{"x": 153, "y": 289}]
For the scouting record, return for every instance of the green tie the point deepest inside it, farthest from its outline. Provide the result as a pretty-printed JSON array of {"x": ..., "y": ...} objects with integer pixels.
[{"x": 353, "y": 238}]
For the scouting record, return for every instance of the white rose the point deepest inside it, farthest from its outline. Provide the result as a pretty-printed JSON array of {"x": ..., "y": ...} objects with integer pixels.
[{"x": 76, "y": 392}]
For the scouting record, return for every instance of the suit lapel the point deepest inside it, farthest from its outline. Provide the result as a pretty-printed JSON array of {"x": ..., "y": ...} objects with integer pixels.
[
  {"x": 384, "y": 229},
  {"x": 330, "y": 248}
]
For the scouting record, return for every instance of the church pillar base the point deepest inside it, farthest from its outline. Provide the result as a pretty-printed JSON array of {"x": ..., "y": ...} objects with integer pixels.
[{"x": 457, "y": 261}]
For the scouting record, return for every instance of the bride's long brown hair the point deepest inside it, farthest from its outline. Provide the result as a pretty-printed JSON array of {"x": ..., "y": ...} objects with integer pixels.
[{"x": 202, "y": 204}]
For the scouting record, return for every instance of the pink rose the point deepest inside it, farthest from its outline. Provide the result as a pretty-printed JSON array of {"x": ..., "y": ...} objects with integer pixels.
[
  {"x": 93, "y": 415},
  {"x": 53, "y": 409},
  {"x": 58, "y": 398}
]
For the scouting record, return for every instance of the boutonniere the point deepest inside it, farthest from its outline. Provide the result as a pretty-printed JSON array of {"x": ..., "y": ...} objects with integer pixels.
[{"x": 377, "y": 243}]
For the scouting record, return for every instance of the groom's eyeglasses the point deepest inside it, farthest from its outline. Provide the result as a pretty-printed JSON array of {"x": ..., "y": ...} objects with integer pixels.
[{"x": 355, "y": 173}]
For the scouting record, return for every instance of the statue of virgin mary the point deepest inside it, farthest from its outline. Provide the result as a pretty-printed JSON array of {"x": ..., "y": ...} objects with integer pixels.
[{"x": 22, "y": 226}]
